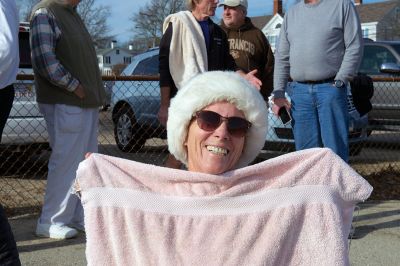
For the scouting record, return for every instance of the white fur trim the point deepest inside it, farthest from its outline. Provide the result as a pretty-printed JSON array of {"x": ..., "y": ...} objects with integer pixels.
[{"x": 208, "y": 88}]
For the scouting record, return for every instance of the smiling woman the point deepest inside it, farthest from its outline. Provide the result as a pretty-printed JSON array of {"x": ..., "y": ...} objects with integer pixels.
[{"x": 217, "y": 123}]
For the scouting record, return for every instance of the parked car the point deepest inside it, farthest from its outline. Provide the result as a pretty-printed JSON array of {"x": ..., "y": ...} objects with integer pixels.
[
  {"x": 25, "y": 124},
  {"x": 382, "y": 59},
  {"x": 280, "y": 136},
  {"x": 135, "y": 104}
]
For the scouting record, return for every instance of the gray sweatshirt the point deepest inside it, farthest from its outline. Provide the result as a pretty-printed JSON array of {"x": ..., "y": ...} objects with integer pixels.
[{"x": 316, "y": 42}]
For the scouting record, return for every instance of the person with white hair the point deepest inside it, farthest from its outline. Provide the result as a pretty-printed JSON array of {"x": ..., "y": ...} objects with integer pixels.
[
  {"x": 69, "y": 92},
  {"x": 191, "y": 44}
]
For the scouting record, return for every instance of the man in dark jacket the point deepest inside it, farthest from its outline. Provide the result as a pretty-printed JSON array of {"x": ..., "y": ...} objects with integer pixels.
[{"x": 247, "y": 44}]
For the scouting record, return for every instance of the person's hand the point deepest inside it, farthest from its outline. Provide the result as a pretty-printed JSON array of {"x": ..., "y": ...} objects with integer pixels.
[
  {"x": 79, "y": 91},
  {"x": 251, "y": 77},
  {"x": 278, "y": 103},
  {"x": 163, "y": 115},
  {"x": 87, "y": 155}
]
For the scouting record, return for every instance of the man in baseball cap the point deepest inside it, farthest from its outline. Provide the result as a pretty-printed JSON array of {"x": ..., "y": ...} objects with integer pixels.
[
  {"x": 248, "y": 44},
  {"x": 234, "y": 3}
]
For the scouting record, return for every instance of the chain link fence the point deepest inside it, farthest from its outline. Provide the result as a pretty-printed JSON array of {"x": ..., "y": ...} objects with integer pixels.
[{"x": 128, "y": 128}]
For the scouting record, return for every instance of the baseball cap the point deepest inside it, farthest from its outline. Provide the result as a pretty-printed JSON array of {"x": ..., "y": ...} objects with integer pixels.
[{"x": 234, "y": 3}]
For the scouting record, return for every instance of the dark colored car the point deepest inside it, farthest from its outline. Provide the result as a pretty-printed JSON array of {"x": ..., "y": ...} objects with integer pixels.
[{"x": 382, "y": 59}]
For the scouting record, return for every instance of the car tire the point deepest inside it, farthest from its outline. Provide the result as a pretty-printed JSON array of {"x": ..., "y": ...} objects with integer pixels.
[{"x": 127, "y": 133}]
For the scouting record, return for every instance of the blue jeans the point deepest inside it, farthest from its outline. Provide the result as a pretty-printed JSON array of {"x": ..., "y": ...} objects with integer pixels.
[{"x": 320, "y": 117}]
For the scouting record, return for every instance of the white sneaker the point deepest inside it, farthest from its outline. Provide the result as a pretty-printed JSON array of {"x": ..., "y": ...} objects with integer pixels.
[{"x": 55, "y": 231}]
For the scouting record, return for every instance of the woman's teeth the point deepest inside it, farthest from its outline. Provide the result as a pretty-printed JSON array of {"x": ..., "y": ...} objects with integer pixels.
[{"x": 217, "y": 150}]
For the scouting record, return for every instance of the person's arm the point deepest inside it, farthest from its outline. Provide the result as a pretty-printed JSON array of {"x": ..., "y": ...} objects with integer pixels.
[
  {"x": 353, "y": 45},
  {"x": 282, "y": 65},
  {"x": 281, "y": 69},
  {"x": 268, "y": 74},
  {"x": 44, "y": 36},
  {"x": 9, "y": 56},
  {"x": 166, "y": 81}
]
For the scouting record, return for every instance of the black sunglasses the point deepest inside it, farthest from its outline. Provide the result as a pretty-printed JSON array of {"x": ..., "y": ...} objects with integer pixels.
[{"x": 210, "y": 121}]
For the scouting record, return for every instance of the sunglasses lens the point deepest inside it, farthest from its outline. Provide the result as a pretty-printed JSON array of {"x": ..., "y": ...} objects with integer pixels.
[
  {"x": 237, "y": 126},
  {"x": 208, "y": 120}
]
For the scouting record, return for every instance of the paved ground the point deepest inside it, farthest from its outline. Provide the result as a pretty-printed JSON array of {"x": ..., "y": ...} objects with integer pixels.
[{"x": 377, "y": 239}]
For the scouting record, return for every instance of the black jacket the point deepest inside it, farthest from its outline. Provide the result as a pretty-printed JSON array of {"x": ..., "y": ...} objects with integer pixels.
[{"x": 218, "y": 54}]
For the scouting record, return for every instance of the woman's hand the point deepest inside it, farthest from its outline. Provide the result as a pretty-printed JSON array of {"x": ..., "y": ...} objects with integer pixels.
[{"x": 251, "y": 78}]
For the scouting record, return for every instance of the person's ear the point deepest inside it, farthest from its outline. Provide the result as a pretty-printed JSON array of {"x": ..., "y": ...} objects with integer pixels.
[{"x": 244, "y": 10}]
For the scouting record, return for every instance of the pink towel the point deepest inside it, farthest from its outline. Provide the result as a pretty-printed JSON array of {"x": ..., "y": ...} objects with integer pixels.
[{"x": 295, "y": 209}]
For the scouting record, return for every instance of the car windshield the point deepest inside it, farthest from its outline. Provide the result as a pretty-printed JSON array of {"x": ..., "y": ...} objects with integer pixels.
[
  {"x": 143, "y": 64},
  {"x": 396, "y": 47}
]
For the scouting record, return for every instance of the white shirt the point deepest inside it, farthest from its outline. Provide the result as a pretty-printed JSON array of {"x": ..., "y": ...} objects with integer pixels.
[{"x": 9, "y": 50}]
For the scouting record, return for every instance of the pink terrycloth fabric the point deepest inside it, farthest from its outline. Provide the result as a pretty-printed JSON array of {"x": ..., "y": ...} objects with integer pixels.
[{"x": 295, "y": 209}]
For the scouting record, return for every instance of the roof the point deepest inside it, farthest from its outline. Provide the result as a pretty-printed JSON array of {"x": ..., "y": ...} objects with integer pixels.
[
  {"x": 375, "y": 11},
  {"x": 107, "y": 50},
  {"x": 367, "y": 12},
  {"x": 261, "y": 21}
]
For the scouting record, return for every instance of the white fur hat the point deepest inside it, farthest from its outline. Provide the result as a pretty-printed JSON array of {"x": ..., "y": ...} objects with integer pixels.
[{"x": 210, "y": 87}]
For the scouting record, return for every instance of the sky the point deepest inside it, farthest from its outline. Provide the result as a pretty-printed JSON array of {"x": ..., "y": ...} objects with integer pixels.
[{"x": 122, "y": 10}]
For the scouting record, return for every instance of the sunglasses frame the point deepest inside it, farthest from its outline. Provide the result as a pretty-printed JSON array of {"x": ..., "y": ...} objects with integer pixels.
[{"x": 241, "y": 133}]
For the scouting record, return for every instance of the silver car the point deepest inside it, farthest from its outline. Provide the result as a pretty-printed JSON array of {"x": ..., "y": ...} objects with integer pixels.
[
  {"x": 135, "y": 104},
  {"x": 26, "y": 124}
]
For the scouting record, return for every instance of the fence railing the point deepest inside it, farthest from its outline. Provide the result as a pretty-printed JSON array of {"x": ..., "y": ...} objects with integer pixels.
[{"x": 128, "y": 128}]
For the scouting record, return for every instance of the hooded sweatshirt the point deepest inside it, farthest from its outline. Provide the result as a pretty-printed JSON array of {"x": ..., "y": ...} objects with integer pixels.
[{"x": 251, "y": 50}]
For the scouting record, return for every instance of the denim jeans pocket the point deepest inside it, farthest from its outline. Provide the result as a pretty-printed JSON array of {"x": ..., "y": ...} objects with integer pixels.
[
  {"x": 70, "y": 118},
  {"x": 289, "y": 88}
]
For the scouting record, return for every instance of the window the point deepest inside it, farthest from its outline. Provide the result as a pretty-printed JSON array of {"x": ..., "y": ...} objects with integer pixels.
[
  {"x": 148, "y": 66},
  {"x": 278, "y": 26},
  {"x": 127, "y": 60},
  {"x": 117, "y": 51},
  {"x": 365, "y": 33},
  {"x": 374, "y": 57},
  {"x": 107, "y": 60},
  {"x": 272, "y": 40}
]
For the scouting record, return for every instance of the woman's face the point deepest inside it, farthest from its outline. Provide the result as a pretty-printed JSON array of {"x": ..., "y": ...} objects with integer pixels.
[
  {"x": 206, "y": 8},
  {"x": 214, "y": 152}
]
